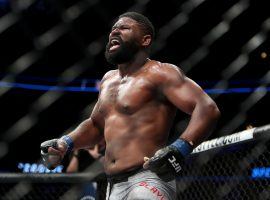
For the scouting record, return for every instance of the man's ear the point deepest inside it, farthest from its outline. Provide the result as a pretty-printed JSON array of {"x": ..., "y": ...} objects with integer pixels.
[{"x": 146, "y": 40}]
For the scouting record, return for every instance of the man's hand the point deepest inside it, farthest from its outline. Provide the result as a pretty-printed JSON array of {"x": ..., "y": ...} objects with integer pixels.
[
  {"x": 169, "y": 158},
  {"x": 53, "y": 152},
  {"x": 164, "y": 160}
]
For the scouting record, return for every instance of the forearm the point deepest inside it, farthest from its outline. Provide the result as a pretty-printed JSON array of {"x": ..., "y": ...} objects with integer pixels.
[
  {"x": 203, "y": 120},
  {"x": 73, "y": 165},
  {"x": 85, "y": 135}
]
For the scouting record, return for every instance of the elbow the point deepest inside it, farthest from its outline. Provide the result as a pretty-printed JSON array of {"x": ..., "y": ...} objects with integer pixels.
[{"x": 213, "y": 111}]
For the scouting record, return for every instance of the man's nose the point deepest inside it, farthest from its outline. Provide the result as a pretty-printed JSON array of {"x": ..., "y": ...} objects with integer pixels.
[{"x": 115, "y": 31}]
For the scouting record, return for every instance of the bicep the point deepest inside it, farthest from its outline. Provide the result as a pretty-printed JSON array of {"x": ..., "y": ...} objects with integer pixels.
[
  {"x": 89, "y": 132},
  {"x": 184, "y": 93},
  {"x": 96, "y": 116}
]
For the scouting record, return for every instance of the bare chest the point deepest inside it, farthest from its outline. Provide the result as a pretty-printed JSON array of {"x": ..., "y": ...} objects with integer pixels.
[{"x": 125, "y": 96}]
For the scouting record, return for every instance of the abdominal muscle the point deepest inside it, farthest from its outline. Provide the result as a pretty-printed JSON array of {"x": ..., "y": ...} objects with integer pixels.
[{"x": 131, "y": 138}]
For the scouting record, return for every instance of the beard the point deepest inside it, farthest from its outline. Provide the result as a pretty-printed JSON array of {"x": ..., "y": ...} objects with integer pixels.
[{"x": 125, "y": 52}]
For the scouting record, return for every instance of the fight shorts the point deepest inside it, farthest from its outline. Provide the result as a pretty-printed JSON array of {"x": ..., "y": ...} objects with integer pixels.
[{"x": 141, "y": 184}]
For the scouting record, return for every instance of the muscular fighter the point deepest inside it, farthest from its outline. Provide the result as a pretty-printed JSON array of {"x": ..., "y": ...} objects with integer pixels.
[{"x": 134, "y": 113}]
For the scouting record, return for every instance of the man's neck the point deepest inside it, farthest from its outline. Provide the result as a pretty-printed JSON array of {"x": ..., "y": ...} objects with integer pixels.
[{"x": 134, "y": 65}]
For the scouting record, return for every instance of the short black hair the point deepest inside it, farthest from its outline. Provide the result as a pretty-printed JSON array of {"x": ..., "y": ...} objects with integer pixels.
[{"x": 142, "y": 20}]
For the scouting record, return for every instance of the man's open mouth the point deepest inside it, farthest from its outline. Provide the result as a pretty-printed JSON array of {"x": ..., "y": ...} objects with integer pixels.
[{"x": 114, "y": 44}]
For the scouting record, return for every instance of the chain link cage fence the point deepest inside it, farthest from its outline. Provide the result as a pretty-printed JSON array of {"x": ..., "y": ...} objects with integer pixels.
[
  {"x": 232, "y": 44},
  {"x": 230, "y": 167},
  {"x": 236, "y": 166}
]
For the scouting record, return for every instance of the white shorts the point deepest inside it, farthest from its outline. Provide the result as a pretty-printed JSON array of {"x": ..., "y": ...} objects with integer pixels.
[{"x": 145, "y": 184}]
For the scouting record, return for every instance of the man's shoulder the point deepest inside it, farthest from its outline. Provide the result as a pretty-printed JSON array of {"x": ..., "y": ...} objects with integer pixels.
[
  {"x": 109, "y": 74},
  {"x": 163, "y": 71}
]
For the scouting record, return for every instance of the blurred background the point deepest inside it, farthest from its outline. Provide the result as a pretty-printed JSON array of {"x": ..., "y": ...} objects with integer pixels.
[{"x": 52, "y": 58}]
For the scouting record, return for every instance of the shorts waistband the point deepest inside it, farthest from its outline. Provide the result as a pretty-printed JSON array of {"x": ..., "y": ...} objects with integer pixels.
[{"x": 123, "y": 177}]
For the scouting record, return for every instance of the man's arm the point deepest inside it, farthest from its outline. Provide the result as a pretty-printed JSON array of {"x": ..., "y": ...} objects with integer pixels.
[
  {"x": 86, "y": 135},
  {"x": 89, "y": 132},
  {"x": 189, "y": 97},
  {"x": 186, "y": 95},
  {"x": 73, "y": 165}
]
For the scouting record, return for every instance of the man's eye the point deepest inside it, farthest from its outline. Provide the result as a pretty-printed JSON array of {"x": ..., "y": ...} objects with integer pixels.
[{"x": 120, "y": 28}]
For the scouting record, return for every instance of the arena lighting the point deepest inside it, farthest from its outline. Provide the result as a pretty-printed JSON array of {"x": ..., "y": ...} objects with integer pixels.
[
  {"x": 48, "y": 87},
  {"x": 260, "y": 172},
  {"x": 95, "y": 89},
  {"x": 37, "y": 168},
  {"x": 236, "y": 90},
  {"x": 257, "y": 172},
  {"x": 264, "y": 55}
]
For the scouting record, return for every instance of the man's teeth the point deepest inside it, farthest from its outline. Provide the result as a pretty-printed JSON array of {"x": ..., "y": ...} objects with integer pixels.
[{"x": 114, "y": 42}]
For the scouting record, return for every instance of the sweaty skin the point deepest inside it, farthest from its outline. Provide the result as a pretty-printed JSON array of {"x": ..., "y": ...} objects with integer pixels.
[
  {"x": 137, "y": 117},
  {"x": 135, "y": 113},
  {"x": 137, "y": 104}
]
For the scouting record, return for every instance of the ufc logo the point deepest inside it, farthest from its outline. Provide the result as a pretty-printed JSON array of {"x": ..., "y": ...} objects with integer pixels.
[{"x": 175, "y": 164}]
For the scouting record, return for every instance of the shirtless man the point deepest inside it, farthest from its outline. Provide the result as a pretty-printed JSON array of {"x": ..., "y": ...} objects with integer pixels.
[{"x": 134, "y": 113}]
